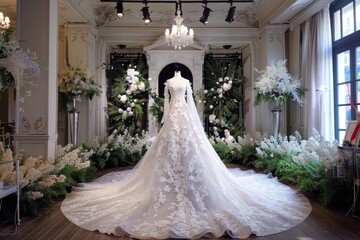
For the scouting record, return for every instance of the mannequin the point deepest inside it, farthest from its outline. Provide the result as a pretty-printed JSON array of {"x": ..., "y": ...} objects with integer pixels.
[{"x": 182, "y": 189}]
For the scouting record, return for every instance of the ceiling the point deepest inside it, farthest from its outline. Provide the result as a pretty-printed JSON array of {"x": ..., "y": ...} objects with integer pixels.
[{"x": 102, "y": 14}]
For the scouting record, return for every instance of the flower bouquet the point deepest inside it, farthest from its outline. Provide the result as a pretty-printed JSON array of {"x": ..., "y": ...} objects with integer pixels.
[
  {"x": 276, "y": 84},
  {"x": 129, "y": 100},
  {"x": 77, "y": 82}
]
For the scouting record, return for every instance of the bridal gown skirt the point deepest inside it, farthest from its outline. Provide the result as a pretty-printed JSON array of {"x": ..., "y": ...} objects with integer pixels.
[{"x": 181, "y": 189}]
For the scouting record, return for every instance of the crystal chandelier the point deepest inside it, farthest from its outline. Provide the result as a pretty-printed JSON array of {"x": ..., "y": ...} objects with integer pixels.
[
  {"x": 4, "y": 21},
  {"x": 180, "y": 36}
]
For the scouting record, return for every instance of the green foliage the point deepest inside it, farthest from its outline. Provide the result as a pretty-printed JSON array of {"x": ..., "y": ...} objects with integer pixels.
[
  {"x": 223, "y": 151},
  {"x": 247, "y": 154},
  {"x": 157, "y": 108},
  {"x": 6, "y": 78},
  {"x": 223, "y": 96},
  {"x": 128, "y": 113}
]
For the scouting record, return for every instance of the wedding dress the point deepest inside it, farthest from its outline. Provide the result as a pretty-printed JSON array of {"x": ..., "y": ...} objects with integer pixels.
[{"x": 181, "y": 188}]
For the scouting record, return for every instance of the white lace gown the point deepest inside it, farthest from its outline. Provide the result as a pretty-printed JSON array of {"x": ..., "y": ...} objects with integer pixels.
[{"x": 181, "y": 188}]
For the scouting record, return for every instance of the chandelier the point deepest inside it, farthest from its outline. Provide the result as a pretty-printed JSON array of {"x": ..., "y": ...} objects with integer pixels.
[
  {"x": 4, "y": 21},
  {"x": 180, "y": 36}
]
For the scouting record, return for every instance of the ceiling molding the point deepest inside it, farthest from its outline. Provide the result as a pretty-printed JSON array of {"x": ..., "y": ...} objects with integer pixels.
[
  {"x": 313, "y": 8},
  {"x": 278, "y": 10},
  {"x": 82, "y": 13}
]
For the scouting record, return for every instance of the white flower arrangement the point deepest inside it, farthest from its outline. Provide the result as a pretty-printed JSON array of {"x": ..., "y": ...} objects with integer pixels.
[
  {"x": 38, "y": 174},
  {"x": 16, "y": 66},
  {"x": 136, "y": 85},
  {"x": 78, "y": 82},
  {"x": 315, "y": 149},
  {"x": 276, "y": 84}
]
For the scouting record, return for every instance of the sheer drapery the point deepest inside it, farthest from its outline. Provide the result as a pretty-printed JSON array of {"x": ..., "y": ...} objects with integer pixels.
[{"x": 317, "y": 73}]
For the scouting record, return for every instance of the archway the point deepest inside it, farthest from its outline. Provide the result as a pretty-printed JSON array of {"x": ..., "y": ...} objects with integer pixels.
[{"x": 168, "y": 72}]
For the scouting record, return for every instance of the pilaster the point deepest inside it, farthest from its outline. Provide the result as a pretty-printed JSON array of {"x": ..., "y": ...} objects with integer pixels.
[
  {"x": 36, "y": 127},
  {"x": 82, "y": 52}
]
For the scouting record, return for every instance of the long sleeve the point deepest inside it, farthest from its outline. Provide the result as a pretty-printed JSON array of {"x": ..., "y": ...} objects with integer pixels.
[{"x": 166, "y": 103}]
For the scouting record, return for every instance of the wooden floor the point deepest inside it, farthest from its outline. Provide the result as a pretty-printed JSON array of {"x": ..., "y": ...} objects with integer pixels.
[{"x": 322, "y": 224}]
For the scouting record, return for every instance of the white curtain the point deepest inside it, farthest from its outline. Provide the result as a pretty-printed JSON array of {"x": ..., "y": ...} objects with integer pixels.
[{"x": 317, "y": 74}]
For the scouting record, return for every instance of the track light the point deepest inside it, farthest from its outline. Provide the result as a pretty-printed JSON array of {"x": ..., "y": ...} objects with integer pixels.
[
  {"x": 119, "y": 9},
  {"x": 206, "y": 13},
  {"x": 230, "y": 17},
  {"x": 146, "y": 14}
]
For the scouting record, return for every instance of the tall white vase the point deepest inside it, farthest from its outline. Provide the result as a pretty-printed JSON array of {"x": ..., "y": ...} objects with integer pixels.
[
  {"x": 74, "y": 124},
  {"x": 276, "y": 118}
]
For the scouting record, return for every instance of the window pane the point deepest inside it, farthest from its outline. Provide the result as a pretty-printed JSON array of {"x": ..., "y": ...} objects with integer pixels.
[
  {"x": 337, "y": 25},
  {"x": 344, "y": 116},
  {"x": 357, "y": 14},
  {"x": 348, "y": 19},
  {"x": 358, "y": 92},
  {"x": 343, "y": 67},
  {"x": 357, "y": 63},
  {"x": 344, "y": 93},
  {"x": 341, "y": 136}
]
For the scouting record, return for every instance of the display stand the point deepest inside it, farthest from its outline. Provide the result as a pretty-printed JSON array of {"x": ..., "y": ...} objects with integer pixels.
[{"x": 355, "y": 155}]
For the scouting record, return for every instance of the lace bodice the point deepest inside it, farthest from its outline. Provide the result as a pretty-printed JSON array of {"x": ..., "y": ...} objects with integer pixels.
[{"x": 182, "y": 189}]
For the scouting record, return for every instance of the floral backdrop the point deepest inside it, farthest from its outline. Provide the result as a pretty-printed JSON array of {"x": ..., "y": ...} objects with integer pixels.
[{"x": 222, "y": 98}]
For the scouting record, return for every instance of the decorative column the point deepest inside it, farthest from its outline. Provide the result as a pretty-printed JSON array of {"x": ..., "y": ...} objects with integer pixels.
[
  {"x": 81, "y": 42},
  {"x": 271, "y": 48},
  {"x": 36, "y": 131}
]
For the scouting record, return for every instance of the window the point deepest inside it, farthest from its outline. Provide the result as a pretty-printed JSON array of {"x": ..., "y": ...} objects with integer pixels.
[{"x": 345, "y": 21}]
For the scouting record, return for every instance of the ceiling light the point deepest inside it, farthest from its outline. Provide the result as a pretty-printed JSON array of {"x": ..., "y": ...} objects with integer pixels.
[
  {"x": 4, "y": 21},
  {"x": 206, "y": 13},
  {"x": 180, "y": 36},
  {"x": 230, "y": 17},
  {"x": 146, "y": 14},
  {"x": 119, "y": 9}
]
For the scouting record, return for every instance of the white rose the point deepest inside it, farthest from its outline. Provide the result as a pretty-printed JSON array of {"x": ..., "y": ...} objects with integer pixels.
[
  {"x": 128, "y": 92},
  {"x": 132, "y": 104},
  {"x": 123, "y": 98},
  {"x": 221, "y": 79},
  {"x": 205, "y": 91},
  {"x": 212, "y": 117},
  {"x": 226, "y": 86},
  {"x": 120, "y": 110},
  {"x": 219, "y": 90},
  {"x": 131, "y": 113},
  {"x": 141, "y": 86},
  {"x": 131, "y": 72},
  {"x": 135, "y": 79},
  {"x": 133, "y": 87},
  {"x": 129, "y": 109},
  {"x": 211, "y": 106}
]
